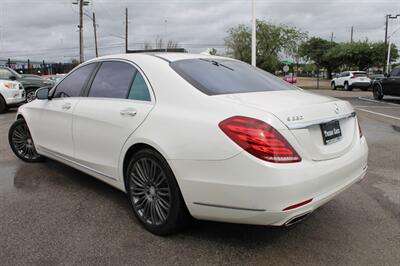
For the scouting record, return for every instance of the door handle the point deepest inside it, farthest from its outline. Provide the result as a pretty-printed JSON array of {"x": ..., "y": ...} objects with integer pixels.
[
  {"x": 128, "y": 112},
  {"x": 66, "y": 106}
]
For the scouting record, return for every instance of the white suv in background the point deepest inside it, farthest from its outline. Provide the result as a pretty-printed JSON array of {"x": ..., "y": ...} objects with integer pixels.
[
  {"x": 351, "y": 79},
  {"x": 11, "y": 93}
]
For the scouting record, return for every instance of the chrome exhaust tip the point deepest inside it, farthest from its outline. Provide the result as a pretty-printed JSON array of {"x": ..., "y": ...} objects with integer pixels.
[{"x": 297, "y": 219}]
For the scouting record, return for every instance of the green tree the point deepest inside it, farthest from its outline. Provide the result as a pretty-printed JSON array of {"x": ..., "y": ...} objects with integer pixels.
[
  {"x": 272, "y": 42},
  {"x": 315, "y": 49}
]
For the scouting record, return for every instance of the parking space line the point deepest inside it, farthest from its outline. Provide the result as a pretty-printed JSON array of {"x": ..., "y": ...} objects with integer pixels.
[
  {"x": 376, "y": 113},
  {"x": 373, "y": 106},
  {"x": 375, "y": 101}
]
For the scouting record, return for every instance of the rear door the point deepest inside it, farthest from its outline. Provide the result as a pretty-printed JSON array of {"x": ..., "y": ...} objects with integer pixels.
[
  {"x": 53, "y": 128},
  {"x": 118, "y": 100}
]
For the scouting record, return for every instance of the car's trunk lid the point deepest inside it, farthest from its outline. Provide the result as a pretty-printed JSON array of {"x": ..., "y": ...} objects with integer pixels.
[{"x": 303, "y": 113}]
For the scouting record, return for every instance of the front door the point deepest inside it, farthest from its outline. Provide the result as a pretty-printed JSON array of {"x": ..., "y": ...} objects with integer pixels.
[
  {"x": 54, "y": 132},
  {"x": 118, "y": 101}
]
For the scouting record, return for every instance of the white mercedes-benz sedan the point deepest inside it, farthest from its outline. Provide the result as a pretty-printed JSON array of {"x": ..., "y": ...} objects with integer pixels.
[{"x": 187, "y": 135}]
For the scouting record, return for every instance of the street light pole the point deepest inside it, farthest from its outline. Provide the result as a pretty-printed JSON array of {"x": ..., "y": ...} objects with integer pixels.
[
  {"x": 388, "y": 52},
  {"x": 253, "y": 35},
  {"x": 386, "y": 39},
  {"x": 81, "y": 58}
]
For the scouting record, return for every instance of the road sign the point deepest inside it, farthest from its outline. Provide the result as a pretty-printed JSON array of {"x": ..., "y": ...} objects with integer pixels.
[{"x": 286, "y": 68}]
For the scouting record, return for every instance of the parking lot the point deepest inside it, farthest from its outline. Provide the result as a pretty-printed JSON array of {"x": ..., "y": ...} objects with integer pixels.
[{"x": 51, "y": 214}]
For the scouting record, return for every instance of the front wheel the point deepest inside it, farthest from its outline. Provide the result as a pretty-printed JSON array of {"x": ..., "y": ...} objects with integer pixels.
[
  {"x": 21, "y": 142},
  {"x": 333, "y": 86},
  {"x": 154, "y": 193},
  {"x": 377, "y": 92}
]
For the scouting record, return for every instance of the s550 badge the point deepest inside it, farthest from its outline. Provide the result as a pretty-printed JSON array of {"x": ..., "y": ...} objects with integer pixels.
[{"x": 294, "y": 118}]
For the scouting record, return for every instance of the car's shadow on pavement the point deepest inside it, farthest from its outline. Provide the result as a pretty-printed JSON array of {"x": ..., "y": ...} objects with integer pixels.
[{"x": 51, "y": 177}]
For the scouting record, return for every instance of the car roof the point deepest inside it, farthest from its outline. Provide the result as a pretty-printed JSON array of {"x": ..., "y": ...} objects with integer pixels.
[{"x": 169, "y": 57}]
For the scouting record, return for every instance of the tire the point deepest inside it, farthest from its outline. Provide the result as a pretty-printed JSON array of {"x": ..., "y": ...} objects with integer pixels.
[
  {"x": 333, "y": 86},
  {"x": 347, "y": 87},
  {"x": 154, "y": 193},
  {"x": 377, "y": 92},
  {"x": 21, "y": 142},
  {"x": 30, "y": 95},
  {"x": 3, "y": 105}
]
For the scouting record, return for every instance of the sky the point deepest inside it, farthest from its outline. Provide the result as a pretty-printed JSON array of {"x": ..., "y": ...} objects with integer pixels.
[{"x": 47, "y": 29}]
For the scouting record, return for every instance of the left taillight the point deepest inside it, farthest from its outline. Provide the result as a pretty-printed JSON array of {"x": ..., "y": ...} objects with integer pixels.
[{"x": 259, "y": 139}]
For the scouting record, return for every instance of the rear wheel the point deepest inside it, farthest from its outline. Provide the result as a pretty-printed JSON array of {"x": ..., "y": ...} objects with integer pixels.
[
  {"x": 21, "y": 142},
  {"x": 3, "y": 105},
  {"x": 377, "y": 92},
  {"x": 30, "y": 95},
  {"x": 154, "y": 193},
  {"x": 347, "y": 87}
]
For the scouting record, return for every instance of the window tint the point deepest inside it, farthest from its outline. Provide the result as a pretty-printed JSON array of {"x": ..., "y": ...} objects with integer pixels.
[
  {"x": 72, "y": 85},
  {"x": 395, "y": 72},
  {"x": 113, "y": 80},
  {"x": 227, "y": 76},
  {"x": 139, "y": 90},
  {"x": 360, "y": 74}
]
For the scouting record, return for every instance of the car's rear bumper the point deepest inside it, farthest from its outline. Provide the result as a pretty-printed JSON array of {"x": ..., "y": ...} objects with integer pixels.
[
  {"x": 244, "y": 189},
  {"x": 360, "y": 84}
]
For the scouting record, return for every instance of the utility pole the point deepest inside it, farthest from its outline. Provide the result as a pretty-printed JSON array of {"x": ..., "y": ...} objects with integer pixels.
[
  {"x": 126, "y": 30},
  {"x": 81, "y": 58},
  {"x": 351, "y": 35},
  {"x": 332, "y": 37},
  {"x": 253, "y": 35},
  {"x": 95, "y": 34}
]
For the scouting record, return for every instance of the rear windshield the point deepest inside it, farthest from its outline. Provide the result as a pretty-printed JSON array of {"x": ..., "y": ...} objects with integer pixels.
[
  {"x": 359, "y": 74},
  {"x": 218, "y": 76}
]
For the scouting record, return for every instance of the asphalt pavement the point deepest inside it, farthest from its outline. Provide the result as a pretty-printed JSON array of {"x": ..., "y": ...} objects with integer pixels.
[{"x": 51, "y": 214}]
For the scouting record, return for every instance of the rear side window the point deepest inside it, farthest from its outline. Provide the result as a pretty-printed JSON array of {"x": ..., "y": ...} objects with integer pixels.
[
  {"x": 221, "y": 76},
  {"x": 139, "y": 90},
  {"x": 73, "y": 84},
  {"x": 113, "y": 80},
  {"x": 395, "y": 72}
]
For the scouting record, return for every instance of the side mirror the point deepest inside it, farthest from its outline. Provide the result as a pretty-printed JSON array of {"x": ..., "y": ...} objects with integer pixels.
[
  {"x": 43, "y": 93},
  {"x": 13, "y": 78}
]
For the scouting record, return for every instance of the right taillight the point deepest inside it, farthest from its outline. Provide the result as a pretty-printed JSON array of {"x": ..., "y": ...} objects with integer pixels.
[{"x": 259, "y": 139}]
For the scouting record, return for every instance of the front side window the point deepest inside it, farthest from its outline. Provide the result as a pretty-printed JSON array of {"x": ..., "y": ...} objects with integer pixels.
[
  {"x": 139, "y": 90},
  {"x": 113, "y": 80},
  {"x": 74, "y": 83},
  {"x": 223, "y": 76}
]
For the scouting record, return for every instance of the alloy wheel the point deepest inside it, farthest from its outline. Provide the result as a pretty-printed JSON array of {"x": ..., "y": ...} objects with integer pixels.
[
  {"x": 30, "y": 96},
  {"x": 23, "y": 143},
  {"x": 150, "y": 192}
]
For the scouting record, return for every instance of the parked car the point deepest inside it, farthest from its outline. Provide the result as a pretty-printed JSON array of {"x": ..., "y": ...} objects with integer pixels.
[
  {"x": 53, "y": 78},
  {"x": 389, "y": 85},
  {"x": 199, "y": 135},
  {"x": 30, "y": 84},
  {"x": 290, "y": 78},
  {"x": 11, "y": 93},
  {"x": 349, "y": 80}
]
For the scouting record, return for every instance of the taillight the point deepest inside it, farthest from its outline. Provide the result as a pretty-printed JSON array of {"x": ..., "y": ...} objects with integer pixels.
[
  {"x": 259, "y": 139},
  {"x": 359, "y": 129}
]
